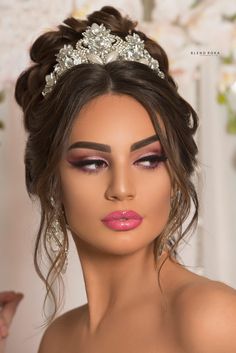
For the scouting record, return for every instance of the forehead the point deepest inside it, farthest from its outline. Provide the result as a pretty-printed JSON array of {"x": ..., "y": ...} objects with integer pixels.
[{"x": 112, "y": 118}]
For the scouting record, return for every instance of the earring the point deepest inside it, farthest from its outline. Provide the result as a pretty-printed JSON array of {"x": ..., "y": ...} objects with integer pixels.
[{"x": 55, "y": 240}]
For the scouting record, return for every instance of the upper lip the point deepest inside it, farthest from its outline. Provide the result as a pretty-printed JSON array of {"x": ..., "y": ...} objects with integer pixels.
[{"x": 129, "y": 214}]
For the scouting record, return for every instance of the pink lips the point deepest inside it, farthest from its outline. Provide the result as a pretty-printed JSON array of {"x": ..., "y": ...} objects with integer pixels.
[{"x": 122, "y": 220}]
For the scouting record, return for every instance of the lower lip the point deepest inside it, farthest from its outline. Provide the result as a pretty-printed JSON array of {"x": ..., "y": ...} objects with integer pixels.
[{"x": 127, "y": 224}]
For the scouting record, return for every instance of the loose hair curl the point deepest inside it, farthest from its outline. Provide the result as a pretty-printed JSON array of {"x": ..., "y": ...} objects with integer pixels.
[{"x": 48, "y": 122}]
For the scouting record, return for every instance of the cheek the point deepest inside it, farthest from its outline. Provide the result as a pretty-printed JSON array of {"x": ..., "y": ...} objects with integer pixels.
[
  {"x": 84, "y": 201},
  {"x": 79, "y": 197},
  {"x": 158, "y": 200}
]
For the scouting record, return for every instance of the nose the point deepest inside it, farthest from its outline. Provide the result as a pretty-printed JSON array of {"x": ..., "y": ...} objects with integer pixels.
[{"x": 121, "y": 184}]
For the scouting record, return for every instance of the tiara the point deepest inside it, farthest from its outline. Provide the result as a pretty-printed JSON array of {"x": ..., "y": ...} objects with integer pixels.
[{"x": 98, "y": 46}]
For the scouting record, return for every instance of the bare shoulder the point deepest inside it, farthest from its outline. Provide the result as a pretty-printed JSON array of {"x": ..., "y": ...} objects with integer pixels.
[
  {"x": 55, "y": 336},
  {"x": 205, "y": 317}
]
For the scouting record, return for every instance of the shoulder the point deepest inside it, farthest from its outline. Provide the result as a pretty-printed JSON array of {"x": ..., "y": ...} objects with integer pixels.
[
  {"x": 205, "y": 317},
  {"x": 55, "y": 336}
]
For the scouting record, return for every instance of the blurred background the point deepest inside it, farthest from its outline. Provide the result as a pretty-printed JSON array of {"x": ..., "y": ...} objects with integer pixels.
[{"x": 199, "y": 37}]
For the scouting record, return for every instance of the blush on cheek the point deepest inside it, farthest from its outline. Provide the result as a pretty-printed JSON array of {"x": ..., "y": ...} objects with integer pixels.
[{"x": 163, "y": 207}]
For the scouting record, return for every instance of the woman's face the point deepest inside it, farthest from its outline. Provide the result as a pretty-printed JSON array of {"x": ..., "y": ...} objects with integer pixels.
[{"x": 114, "y": 172}]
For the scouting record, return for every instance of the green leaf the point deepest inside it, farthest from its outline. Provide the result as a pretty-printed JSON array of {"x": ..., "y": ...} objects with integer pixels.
[
  {"x": 195, "y": 4},
  {"x": 229, "y": 59},
  {"x": 231, "y": 126},
  {"x": 221, "y": 98}
]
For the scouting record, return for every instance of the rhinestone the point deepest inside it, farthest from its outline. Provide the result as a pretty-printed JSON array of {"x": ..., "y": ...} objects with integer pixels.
[
  {"x": 97, "y": 47},
  {"x": 95, "y": 59},
  {"x": 112, "y": 56},
  {"x": 95, "y": 28}
]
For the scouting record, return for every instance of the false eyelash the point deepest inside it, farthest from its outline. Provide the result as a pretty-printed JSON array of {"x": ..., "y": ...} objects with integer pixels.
[
  {"x": 83, "y": 163},
  {"x": 153, "y": 157}
]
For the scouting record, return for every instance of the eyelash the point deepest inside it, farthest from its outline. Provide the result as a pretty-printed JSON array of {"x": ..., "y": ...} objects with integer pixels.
[{"x": 157, "y": 159}]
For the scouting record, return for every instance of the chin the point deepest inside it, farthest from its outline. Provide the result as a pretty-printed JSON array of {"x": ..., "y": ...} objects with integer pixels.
[{"x": 123, "y": 244}]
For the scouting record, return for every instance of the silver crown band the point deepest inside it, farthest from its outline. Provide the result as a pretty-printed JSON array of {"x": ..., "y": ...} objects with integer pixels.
[{"x": 100, "y": 47}]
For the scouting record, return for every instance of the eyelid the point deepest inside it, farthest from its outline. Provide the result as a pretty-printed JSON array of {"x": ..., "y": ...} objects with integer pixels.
[
  {"x": 138, "y": 155},
  {"x": 86, "y": 154},
  {"x": 106, "y": 157},
  {"x": 83, "y": 164},
  {"x": 149, "y": 154},
  {"x": 154, "y": 151},
  {"x": 93, "y": 158},
  {"x": 85, "y": 158}
]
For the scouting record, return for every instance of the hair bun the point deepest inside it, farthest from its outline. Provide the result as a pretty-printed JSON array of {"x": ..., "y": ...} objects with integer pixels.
[
  {"x": 112, "y": 19},
  {"x": 31, "y": 82}
]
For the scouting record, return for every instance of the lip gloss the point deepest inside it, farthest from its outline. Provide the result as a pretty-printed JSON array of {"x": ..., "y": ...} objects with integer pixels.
[
  {"x": 119, "y": 224},
  {"x": 122, "y": 220}
]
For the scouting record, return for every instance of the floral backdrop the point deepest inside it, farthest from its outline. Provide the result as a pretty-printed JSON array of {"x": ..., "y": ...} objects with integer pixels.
[
  {"x": 200, "y": 39},
  {"x": 191, "y": 29}
]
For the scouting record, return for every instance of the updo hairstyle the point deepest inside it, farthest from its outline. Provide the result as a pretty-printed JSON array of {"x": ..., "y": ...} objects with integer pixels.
[{"x": 48, "y": 122}]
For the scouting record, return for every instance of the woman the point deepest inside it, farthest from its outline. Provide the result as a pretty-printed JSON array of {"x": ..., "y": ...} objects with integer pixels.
[{"x": 110, "y": 155}]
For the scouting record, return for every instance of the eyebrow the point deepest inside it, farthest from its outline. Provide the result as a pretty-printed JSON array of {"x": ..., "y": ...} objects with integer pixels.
[{"x": 106, "y": 148}]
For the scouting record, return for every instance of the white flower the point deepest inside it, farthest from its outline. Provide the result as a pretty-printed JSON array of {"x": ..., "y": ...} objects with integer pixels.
[
  {"x": 207, "y": 26},
  {"x": 170, "y": 10}
]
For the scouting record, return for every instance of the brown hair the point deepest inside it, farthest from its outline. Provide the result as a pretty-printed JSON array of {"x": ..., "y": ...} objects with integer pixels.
[{"x": 48, "y": 122}]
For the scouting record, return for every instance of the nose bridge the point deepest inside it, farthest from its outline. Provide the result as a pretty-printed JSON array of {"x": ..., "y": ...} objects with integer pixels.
[{"x": 121, "y": 183}]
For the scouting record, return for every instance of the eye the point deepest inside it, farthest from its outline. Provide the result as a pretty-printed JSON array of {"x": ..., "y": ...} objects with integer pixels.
[
  {"x": 152, "y": 161},
  {"x": 90, "y": 165}
]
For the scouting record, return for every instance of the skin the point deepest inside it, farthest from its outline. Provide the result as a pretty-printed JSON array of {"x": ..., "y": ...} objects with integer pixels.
[
  {"x": 9, "y": 302},
  {"x": 126, "y": 311}
]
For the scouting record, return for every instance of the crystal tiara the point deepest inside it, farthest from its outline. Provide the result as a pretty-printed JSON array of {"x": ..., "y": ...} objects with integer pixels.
[{"x": 100, "y": 47}]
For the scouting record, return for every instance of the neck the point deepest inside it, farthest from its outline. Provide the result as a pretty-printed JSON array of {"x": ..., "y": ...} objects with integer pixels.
[{"x": 114, "y": 282}]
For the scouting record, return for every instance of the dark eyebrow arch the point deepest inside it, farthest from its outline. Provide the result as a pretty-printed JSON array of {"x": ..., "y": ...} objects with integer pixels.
[
  {"x": 106, "y": 148},
  {"x": 144, "y": 142}
]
